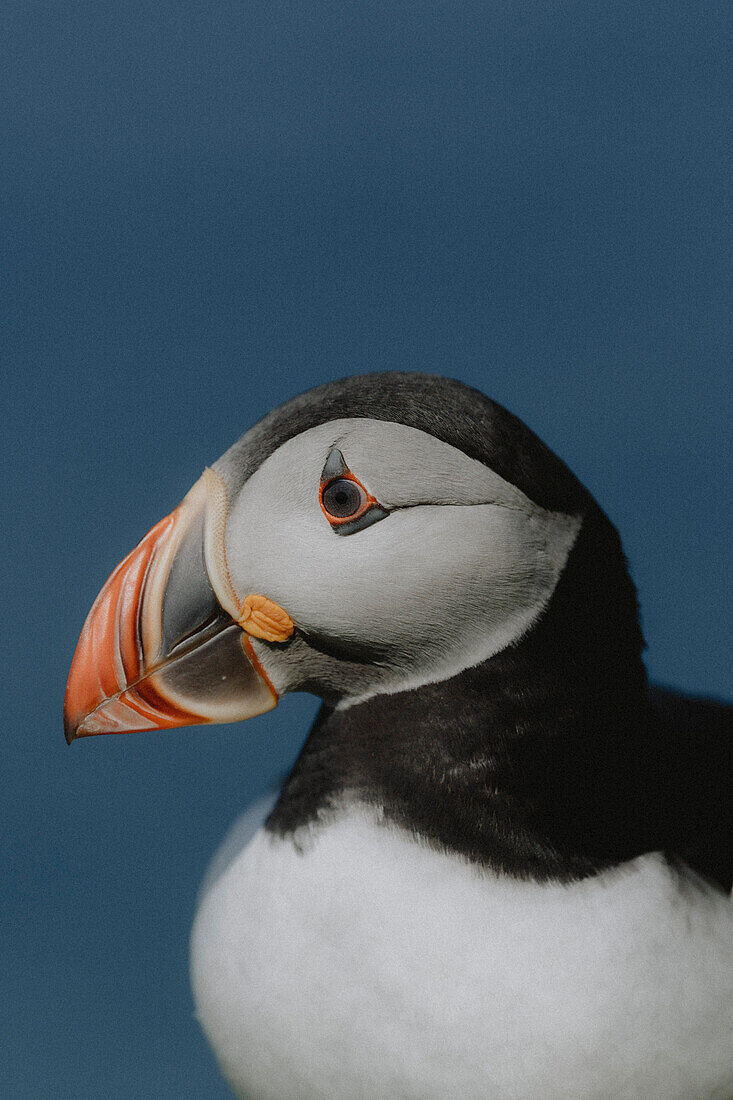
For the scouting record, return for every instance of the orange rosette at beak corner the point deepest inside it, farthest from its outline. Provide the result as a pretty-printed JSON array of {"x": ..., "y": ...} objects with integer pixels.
[{"x": 158, "y": 649}]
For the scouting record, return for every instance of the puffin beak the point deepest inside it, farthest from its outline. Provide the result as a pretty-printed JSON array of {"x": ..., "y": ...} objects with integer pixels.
[{"x": 162, "y": 645}]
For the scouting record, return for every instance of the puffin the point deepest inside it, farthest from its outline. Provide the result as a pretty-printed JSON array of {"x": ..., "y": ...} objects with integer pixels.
[{"x": 500, "y": 868}]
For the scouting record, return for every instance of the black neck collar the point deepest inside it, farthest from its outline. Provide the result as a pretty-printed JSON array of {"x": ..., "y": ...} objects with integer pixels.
[{"x": 542, "y": 762}]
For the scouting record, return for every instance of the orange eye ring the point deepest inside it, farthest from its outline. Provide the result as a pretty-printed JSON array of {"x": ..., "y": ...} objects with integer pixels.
[
  {"x": 347, "y": 505},
  {"x": 366, "y": 500}
]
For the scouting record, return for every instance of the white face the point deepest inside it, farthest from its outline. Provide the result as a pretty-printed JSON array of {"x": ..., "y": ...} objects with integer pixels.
[{"x": 459, "y": 569}]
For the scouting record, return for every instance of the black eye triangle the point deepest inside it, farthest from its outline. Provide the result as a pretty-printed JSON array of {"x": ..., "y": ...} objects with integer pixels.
[{"x": 335, "y": 465}]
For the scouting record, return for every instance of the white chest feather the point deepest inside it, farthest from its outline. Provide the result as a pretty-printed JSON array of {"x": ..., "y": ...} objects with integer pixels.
[{"x": 368, "y": 966}]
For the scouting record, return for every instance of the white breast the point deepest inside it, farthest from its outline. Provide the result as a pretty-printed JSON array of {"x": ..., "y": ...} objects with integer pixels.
[{"x": 365, "y": 965}]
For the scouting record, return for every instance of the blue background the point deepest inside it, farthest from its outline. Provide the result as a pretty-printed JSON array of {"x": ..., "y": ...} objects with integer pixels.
[{"x": 207, "y": 208}]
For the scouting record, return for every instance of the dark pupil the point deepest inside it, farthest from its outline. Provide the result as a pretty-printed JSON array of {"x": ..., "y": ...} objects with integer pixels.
[{"x": 342, "y": 498}]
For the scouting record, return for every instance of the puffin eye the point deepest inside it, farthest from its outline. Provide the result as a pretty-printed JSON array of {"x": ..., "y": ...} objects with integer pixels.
[
  {"x": 343, "y": 498},
  {"x": 345, "y": 502}
]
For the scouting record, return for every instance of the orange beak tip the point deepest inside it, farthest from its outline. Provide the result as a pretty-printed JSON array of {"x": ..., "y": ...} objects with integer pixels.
[{"x": 129, "y": 675}]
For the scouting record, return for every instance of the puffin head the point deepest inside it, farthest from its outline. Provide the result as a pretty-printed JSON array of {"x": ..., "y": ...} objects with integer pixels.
[{"x": 370, "y": 536}]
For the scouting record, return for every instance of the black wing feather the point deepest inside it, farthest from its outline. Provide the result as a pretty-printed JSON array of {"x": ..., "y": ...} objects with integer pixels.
[{"x": 696, "y": 741}]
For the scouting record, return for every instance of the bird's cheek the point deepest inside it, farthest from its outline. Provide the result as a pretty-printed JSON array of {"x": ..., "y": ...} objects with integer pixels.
[{"x": 167, "y": 642}]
